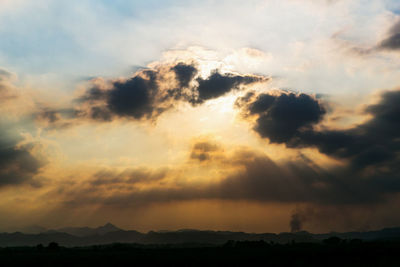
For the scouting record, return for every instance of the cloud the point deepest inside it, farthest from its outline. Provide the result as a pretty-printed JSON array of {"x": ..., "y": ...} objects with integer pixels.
[
  {"x": 133, "y": 98},
  {"x": 17, "y": 164},
  {"x": 217, "y": 84},
  {"x": 373, "y": 143},
  {"x": 205, "y": 151},
  {"x": 56, "y": 118},
  {"x": 5, "y": 75},
  {"x": 7, "y": 89},
  {"x": 369, "y": 150},
  {"x": 301, "y": 180},
  {"x": 244, "y": 175},
  {"x": 151, "y": 92},
  {"x": 392, "y": 42},
  {"x": 127, "y": 177},
  {"x": 51, "y": 116},
  {"x": 281, "y": 117},
  {"x": 184, "y": 73}
]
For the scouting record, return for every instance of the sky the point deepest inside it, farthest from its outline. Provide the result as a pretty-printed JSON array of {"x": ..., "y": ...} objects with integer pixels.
[{"x": 256, "y": 116}]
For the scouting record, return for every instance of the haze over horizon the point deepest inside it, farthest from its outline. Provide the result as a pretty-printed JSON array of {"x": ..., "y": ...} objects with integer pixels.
[{"x": 264, "y": 116}]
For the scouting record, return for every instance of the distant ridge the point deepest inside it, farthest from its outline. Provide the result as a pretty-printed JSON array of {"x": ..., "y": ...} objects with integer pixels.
[
  {"x": 87, "y": 231},
  {"x": 109, "y": 233},
  {"x": 34, "y": 229}
]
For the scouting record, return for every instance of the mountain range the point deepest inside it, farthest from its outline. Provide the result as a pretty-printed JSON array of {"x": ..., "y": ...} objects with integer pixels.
[{"x": 109, "y": 233}]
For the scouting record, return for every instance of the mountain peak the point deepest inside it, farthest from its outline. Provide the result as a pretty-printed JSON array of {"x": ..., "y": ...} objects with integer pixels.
[
  {"x": 109, "y": 226},
  {"x": 88, "y": 231}
]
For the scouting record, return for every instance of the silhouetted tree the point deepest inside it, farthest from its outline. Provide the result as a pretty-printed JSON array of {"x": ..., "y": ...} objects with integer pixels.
[
  {"x": 334, "y": 240},
  {"x": 356, "y": 241},
  {"x": 229, "y": 244},
  {"x": 251, "y": 244},
  {"x": 53, "y": 246}
]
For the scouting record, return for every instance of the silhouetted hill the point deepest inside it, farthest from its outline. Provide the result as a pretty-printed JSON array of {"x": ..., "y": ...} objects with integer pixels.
[
  {"x": 87, "y": 231},
  {"x": 107, "y": 234},
  {"x": 19, "y": 239},
  {"x": 34, "y": 229},
  {"x": 384, "y": 234}
]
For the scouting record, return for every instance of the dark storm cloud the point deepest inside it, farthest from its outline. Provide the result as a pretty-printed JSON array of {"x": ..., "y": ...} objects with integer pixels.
[
  {"x": 17, "y": 165},
  {"x": 149, "y": 93},
  {"x": 290, "y": 121},
  {"x": 184, "y": 73},
  {"x": 282, "y": 117},
  {"x": 373, "y": 143},
  {"x": 393, "y": 41},
  {"x": 133, "y": 98},
  {"x": 218, "y": 84},
  {"x": 286, "y": 115}
]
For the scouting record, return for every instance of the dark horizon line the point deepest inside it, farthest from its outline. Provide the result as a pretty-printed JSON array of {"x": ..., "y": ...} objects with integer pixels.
[{"x": 61, "y": 229}]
